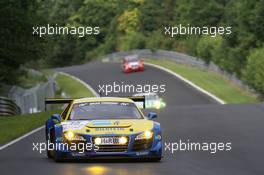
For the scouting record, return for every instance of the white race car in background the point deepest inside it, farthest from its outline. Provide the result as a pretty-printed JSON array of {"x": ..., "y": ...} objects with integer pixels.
[{"x": 152, "y": 100}]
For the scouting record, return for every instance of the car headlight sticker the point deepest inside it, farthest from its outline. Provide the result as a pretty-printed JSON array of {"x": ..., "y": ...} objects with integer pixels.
[{"x": 72, "y": 136}]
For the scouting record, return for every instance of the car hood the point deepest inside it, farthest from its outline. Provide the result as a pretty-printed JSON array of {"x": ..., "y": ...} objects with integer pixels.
[{"x": 97, "y": 127}]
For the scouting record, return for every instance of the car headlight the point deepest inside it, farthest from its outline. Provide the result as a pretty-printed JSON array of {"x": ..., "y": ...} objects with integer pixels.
[
  {"x": 123, "y": 140},
  {"x": 144, "y": 135},
  {"x": 72, "y": 136},
  {"x": 97, "y": 141}
]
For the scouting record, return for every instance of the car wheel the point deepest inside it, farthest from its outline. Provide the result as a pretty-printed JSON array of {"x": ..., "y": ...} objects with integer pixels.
[
  {"x": 52, "y": 153},
  {"x": 49, "y": 155},
  {"x": 57, "y": 158},
  {"x": 156, "y": 159}
]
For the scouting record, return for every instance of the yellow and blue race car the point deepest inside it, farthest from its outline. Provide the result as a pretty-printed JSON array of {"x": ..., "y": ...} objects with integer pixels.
[{"x": 103, "y": 127}]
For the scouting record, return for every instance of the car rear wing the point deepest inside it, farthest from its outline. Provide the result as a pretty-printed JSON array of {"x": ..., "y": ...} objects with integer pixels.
[
  {"x": 139, "y": 100},
  {"x": 57, "y": 101}
]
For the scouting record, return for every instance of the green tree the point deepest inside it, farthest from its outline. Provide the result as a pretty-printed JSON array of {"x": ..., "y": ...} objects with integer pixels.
[
  {"x": 207, "y": 46},
  {"x": 128, "y": 22},
  {"x": 202, "y": 13},
  {"x": 253, "y": 73},
  {"x": 131, "y": 41},
  {"x": 18, "y": 46},
  {"x": 150, "y": 13}
]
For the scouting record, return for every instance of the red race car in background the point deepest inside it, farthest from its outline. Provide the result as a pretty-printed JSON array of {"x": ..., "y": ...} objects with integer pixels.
[{"x": 132, "y": 63}]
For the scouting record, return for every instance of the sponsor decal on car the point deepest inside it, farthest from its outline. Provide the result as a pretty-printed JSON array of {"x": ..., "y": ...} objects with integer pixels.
[
  {"x": 74, "y": 125},
  {"x": 109, "y": 129},
  {"x": 98, "y": 123},
  {"x": 142, "y": 153}
]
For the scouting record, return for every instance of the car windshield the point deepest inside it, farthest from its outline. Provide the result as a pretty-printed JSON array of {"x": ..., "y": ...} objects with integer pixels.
[
  {"x": 104, "y": 110},
  {"x": 132, "y": 59}
]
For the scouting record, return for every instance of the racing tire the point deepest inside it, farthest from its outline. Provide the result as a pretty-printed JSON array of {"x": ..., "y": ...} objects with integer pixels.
[
  {"x": 156, "y": 159},
  {"x": 56, "y": 158},
  {"x": 49, "y": 154},
  {"x": 53, "y": 154}
]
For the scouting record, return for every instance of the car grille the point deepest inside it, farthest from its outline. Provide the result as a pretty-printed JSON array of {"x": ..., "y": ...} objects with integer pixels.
[
  {"x": 112, "y": 148},
  {"x": 141, "y": 145}
]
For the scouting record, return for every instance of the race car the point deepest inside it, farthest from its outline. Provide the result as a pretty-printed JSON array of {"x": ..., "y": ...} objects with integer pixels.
[
  {"x": 132, "y": 63},
  {"x": 103, "y": 127},
  {"x": 152, "y": 100}
]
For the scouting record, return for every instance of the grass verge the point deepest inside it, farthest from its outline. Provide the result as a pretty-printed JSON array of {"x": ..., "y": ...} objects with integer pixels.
[
  {"x": 72, "y": 87},
  {"x": 15, "y": 126},
  {"x": 209, "y": 81}
]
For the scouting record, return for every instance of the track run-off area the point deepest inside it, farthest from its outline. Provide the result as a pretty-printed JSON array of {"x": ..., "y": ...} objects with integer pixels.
[{"x": 189, "y": 116}]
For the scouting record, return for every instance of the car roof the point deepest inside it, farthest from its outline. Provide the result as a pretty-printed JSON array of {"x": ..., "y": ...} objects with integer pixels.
[
  {"x": 131, "y": 57},
  {"x": 103, "y": 99}
]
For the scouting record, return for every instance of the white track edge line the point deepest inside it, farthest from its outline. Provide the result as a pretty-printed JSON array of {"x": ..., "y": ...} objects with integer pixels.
[
  {"x": 188, "y": 82},
  {"x": 37, "y": 129},
  {"x": 21, "y": 137}
]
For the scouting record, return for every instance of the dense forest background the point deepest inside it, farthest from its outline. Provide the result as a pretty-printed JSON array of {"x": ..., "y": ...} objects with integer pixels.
[{"x": 132, "y": 24}]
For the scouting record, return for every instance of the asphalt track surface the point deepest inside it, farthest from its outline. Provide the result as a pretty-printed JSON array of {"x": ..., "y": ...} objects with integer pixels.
[{"x": 189, "y": 115}]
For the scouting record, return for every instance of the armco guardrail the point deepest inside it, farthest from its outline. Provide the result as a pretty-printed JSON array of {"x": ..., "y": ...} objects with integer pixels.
[
  {"x": 8, "y": 107},
  {"x": 32, "y": 100}
]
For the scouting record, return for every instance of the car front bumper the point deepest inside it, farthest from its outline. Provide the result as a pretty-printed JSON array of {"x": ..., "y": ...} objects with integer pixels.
[{"x": 153, "y": 150}]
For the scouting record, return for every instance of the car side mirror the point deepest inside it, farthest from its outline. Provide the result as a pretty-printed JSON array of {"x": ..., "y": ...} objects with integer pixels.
[
  {"x": 152, "y": 115},
  {"x": 56, "y": 118}
]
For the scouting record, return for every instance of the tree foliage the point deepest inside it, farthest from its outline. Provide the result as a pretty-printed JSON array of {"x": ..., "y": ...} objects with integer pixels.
[
  {"x": 130, "y": 24},
  {"x": 17, "y": 45},
  {"x": 254, "y": 70}
]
